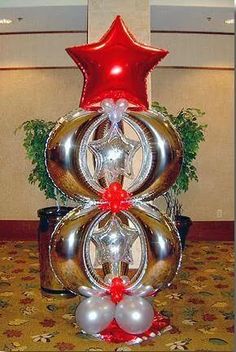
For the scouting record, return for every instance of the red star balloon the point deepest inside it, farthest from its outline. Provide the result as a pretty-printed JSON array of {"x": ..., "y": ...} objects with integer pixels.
[{"x": 115, "y": 67}]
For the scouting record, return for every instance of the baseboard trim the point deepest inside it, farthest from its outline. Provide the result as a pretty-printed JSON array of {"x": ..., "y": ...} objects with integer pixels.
[
  {"x": 212, "y": 231},
  {"x": 26, "y": 230},
  {"x": 18, "y": 230}
]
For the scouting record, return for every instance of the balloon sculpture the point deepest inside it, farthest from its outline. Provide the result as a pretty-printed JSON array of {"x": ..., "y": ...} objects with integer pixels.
[{"x": 90, "y": 158}]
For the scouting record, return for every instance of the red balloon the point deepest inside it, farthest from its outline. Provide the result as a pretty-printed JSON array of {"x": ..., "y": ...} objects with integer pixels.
[
  {"x": 115, "y": 198},
  {"x": 115, "y": 67},
  {"x": 117, "y": 289}
]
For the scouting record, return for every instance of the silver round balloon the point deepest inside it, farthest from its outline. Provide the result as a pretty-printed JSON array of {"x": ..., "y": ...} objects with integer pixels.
[
  {"x": 164, "y": 251},
  {"x": 70, "y": 248},
  {"x": 134, "y": 314},
  {"x": 67, "y": 248},
  {"x": 63, "y": 154},
  {"x": 159, "y": 239},
  {"x": 67, "y": 154},
  {"x": 94, "y": 314},
  {"x": 162, "y": 154},
  {"x": 114, "y": 154}
]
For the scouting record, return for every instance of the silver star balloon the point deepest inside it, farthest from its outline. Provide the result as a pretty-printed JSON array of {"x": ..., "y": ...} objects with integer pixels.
[
  {"x": 113, "y": 242},
  {"x": 114, "y": 154}
]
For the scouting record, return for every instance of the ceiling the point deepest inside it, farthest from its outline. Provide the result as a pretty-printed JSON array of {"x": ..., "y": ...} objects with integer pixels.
[{"x": 71, "y": 15}]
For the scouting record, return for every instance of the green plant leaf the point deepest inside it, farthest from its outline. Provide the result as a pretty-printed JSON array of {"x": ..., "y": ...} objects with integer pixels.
[
  {"x": 189, "y": 312},
  {"x": 167, "y": 313},
  {"x": 227, "y": 293},
  {"x": 204, "y": 293},
  {"x": 36, "y": 133},
  {"x": 192, "y": 133},
  {"x": 216, "y": 341},
  {"x": 228, "y": 315}
]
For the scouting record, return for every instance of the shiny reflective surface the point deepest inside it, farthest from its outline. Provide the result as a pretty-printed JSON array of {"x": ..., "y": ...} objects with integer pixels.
[
  {"x": 67, "y": 163},
  {"x": 94, "y": 314},
  {"x": 49, "y": 217},
  {"x": 67, "y": 158},
  {"x": 70, "y": 250},
  {"x": 63, "y": 152},
  {"x": 160, "y": 249},
  {"x": 134, "y": 314},
  {"x": 114, "y": 242},
  {"x": 115, "y": 67},
  {"x": 115, "y": 110},
  {"x": 164, "y": 250},
  {"x": 162, "y": 155},
  {"x": 114, "y": 154},
  {"x": 66, "y": 248}
]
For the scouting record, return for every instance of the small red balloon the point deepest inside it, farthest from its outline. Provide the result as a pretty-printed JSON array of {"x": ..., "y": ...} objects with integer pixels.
[
  {"x": 115, "y": 67},
  {"x": 115, "y": 186},
  {"x": 117, "y": 289},
  {"x": 124, "y": 194},
  {"x": 115, "y": 198},
  {"x": 115, "y": 206}
]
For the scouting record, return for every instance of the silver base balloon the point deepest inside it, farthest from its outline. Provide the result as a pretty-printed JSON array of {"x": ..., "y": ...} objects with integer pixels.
[
  {"x": 133, "y": 314},
  {"x": 94, "y": 314},
  {"x": 139, "y": 317}
]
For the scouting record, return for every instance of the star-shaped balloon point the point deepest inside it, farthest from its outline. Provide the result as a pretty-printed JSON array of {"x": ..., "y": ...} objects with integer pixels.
[
  {"x": 114, "y": 155},
  {"x": 114, "y": 241},
  {"x": 115, "y": 67}
]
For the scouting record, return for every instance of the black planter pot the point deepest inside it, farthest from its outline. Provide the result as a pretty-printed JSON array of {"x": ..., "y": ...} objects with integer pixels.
[
  {"x": 49, "y": 217},
  {"x": 183, "y": 224}
]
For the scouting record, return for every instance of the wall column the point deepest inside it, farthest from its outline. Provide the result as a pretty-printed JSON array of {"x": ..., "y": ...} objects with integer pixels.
[{"x": 135, "y": 13}]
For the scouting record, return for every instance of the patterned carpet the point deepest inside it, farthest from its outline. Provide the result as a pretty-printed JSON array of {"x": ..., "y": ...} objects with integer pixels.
[{"x": 199, "y": 303}]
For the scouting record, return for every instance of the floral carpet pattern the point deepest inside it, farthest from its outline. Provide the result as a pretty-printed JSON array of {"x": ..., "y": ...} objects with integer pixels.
[{"x": 199, "y": 304}]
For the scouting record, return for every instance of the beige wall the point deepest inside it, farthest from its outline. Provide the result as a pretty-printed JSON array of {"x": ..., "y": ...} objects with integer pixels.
[
  {"x": 46, "y": 50},
  {"x": 50, "y": 93},
  {"x": 26, "y": 95},
  {"x": 212, "y": 92}
]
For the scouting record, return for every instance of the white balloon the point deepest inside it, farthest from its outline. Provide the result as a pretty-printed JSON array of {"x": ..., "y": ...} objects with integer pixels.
[
  {"x": 114, "y": 110},
  {"x": 134, "y": 314},
  {"x": 94, "y": 314}
]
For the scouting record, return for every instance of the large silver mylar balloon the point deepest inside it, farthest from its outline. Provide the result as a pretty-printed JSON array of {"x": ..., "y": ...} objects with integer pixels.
[
  {"x": 63, "y": 156},
  {"x": 113, "y": 152},
  {"x": 70, "y": 244},
  {"x": 164, "y": 251},
  {"x": 94, "y": 314},
  {"x": 70, "y": 248},
  {"x": 162, "y": 154},
  {"x": 134, "y": 314},
  {"x": 67, "y": 248},
  {"x": 67, "y": 163}
]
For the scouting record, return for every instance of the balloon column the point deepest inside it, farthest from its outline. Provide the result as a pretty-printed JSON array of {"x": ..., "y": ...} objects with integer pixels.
[{"x": 91, "y": 159}]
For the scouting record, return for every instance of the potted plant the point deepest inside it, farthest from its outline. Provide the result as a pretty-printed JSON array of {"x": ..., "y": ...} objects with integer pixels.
[
  {"x": 192, "y": 134},
  {"x": 36, "y": 133}
]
